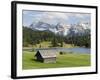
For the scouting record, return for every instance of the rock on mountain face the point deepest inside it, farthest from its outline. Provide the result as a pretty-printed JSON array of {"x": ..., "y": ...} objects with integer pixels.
[
  {"x": 41, "y": 26},
  {"x": 61, "y": 29}
]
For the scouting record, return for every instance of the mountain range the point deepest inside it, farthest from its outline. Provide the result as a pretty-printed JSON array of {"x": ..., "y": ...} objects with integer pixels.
[{"x": 62, "y": 29}]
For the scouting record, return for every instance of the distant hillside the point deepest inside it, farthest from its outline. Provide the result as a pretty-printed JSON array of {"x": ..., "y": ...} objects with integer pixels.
[
  {"x": 61, "y": 29},
  {"x": 33, "y": 37}
]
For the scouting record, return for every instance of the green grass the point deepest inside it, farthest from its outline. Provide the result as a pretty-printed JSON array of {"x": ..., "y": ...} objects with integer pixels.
[
  {"x": 47, "y": 44},
  {"x": 44, "y": 44},
  {"x": 65, "y": 60}
]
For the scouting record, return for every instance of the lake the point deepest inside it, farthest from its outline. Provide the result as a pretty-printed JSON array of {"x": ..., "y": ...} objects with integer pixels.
[{"x": 74, "y": 50}]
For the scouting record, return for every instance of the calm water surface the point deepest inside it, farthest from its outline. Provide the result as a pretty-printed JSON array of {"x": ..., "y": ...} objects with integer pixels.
[{"x": 75, "y": 50}]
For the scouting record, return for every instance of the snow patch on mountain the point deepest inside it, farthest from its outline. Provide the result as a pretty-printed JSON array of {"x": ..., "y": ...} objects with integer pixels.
[{"x": 61, "y": 29}]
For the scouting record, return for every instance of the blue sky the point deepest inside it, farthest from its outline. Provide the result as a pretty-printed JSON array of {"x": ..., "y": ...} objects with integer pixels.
[{"x": 30, "y": 17}]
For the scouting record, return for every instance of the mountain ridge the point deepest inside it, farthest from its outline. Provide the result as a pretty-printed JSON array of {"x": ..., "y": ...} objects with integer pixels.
[{"x": 61, "y": 29}]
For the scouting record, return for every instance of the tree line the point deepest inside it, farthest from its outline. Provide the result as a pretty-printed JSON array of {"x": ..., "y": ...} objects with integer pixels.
[{"x": 33, "y": 37}]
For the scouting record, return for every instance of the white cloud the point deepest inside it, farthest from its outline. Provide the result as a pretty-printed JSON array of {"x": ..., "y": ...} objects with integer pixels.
[{"x": 55, "y": 17}]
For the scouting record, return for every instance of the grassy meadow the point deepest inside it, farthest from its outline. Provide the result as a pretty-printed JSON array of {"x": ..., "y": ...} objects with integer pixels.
[
  {"x": 64, "y": 60},
  {"x": 47, "y": 44}
]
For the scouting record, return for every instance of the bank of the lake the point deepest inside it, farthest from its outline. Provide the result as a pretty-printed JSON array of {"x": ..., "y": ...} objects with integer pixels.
[{"x": 71, "y": 50}]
